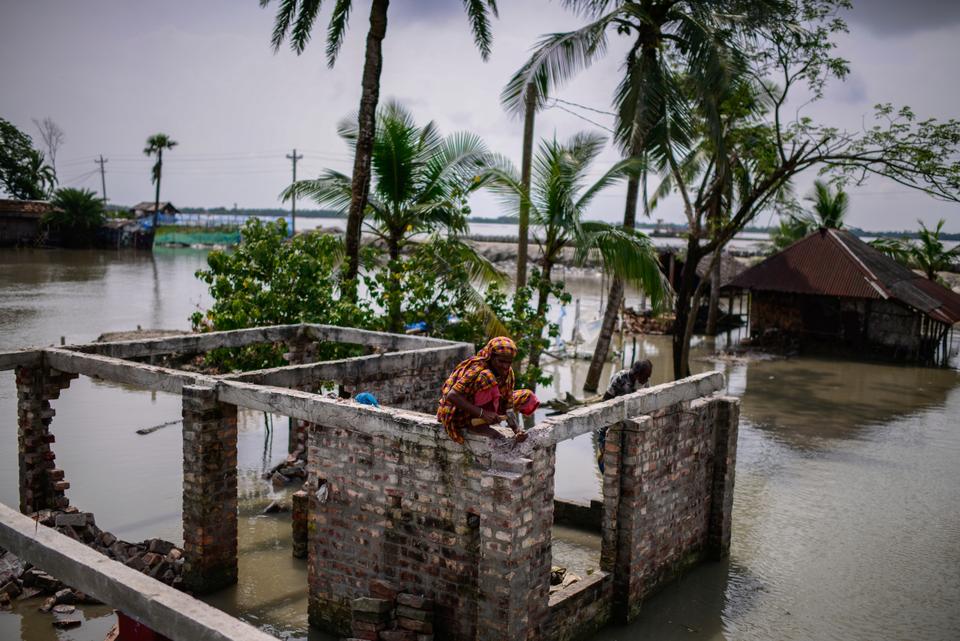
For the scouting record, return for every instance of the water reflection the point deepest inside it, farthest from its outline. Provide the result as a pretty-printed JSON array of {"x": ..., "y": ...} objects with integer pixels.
[{"x": 804, "y": 401}]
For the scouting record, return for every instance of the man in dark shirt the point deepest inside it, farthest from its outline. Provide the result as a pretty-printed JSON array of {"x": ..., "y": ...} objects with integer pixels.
[{"x": 626, "y": 381}]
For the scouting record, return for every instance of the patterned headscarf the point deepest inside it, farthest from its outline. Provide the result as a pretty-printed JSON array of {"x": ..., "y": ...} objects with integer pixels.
[
  {"x": 525, "y": 401},
  {"x": 499, "y": 346},
  {"x": 474, "y": 375}
]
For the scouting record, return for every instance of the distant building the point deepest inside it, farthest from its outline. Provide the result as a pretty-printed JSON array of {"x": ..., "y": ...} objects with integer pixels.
[
  {"x": 145, "y": 208},
  {"x": 833, "y": 291},
  {"x": 20, "y": 221}
]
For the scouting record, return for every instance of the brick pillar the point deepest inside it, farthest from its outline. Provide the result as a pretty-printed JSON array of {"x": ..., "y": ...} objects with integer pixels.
[
  {"x": 300, "y": 512},
  {"x": 209, "y": 490},
  {"x": 514, "y": 572},
  {"x": 41, "y": 484},
  {"x": 302, "y": 350},
  {"x": 724, "y": 466},
  {"x": 624, "y": 502}
]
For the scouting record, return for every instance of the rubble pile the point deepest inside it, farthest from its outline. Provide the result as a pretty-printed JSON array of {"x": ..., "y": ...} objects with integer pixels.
[
  {"x": 561, "y": 579},
  {"x": 391, "y": 615},
  {"x": 644, "y": 322},
  {"x": 157, "y": 558},
  {"x": 291, "y": 470}
]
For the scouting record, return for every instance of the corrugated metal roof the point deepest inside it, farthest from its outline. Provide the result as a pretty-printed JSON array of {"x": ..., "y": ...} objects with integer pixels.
[{"x": 831, "y": 262}]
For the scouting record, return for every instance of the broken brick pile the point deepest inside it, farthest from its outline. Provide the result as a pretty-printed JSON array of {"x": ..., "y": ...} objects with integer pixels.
[
  {"x": 391, "y": 616},
  {"x": 157, "y": 558}
]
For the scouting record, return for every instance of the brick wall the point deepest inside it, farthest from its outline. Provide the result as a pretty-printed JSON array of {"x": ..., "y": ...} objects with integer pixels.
[
  {"x": 668, "y": 494},
  {"x": 581, "y": 609},
  {"x": 409, "y": 506},
  {"x": 414, "y": 388}
]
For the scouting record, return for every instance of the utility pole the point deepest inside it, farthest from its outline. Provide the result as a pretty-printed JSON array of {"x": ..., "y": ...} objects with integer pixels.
[
  {"x": 103, "y": 177},
  {"x": 293, "y": 207}
]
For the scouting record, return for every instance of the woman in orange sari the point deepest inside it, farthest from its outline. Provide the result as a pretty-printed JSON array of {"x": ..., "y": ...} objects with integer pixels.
[{"x": 475, "y": 387}]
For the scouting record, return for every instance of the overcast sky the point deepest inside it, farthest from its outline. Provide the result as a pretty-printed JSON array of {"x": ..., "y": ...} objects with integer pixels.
[{"x": 113, "y": 72}]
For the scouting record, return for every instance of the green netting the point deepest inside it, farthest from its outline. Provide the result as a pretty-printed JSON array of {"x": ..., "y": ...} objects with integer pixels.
[{"x": 198, "y": 238}]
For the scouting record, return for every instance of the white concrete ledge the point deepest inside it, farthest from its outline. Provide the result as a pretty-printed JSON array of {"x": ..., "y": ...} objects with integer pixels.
[
  {"x": 204, "y": 342},
  {"x": 117, "y": 370},
  {"x": 173, "y": 614},
  {"x": 190, "y": 343},
  {"x": 592, "y": 417},
  {"x": 10, "y": 360},
  {"x": 358, "y": 368}
]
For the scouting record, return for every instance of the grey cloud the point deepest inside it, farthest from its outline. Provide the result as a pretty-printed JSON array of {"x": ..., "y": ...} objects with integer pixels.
[
  {"x": 426, "y": 9},
  {"x": 898, "y": 17}
]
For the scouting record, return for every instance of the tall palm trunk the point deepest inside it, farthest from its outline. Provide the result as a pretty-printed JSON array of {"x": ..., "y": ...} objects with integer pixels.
[
  {"x": 543, "y": 296},
  {"x": 366, "y": 118},
  {"x": 687, "y": 294},
  {"x": 156, "y": 199},
  {"x": 394, "y": 293},
  {"x": 524, "y": 221},
  {"x": 713, "y": 310},
  {"x": 614, "y": 300}
]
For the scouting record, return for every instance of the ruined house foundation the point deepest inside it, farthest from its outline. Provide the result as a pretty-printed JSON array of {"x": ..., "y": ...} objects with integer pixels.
[{"x": 390, "y": 500}]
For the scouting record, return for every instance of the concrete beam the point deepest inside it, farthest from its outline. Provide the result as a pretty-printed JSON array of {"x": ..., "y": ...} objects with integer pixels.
[
  {"x": 364, "y": 419},
  {"x": 354, "y": 369},
  {"x": 368, "y": 338},
  {"x": 591, "y": 417},
  {"x": 169, "y": 612},
  {"x": 191, "y": 343},
  {"x": 161, "y": 379},
  {"x": 11, "y": 360}
]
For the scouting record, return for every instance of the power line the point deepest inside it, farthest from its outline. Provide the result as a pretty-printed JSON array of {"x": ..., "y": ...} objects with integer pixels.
[
  {"x": 584, "y": 118},
  {"x": 579, "y": 106}
]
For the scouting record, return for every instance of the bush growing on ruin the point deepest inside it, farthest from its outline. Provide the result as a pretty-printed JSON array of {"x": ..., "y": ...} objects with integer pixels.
[{"x": 271, "y": 280}]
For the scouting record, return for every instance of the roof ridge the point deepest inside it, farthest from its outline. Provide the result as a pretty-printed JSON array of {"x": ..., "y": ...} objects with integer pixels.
[{"x": 872, "y": 279}]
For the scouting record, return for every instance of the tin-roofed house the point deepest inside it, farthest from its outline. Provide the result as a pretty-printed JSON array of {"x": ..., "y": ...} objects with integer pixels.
[{"x": 832, "y": 291}]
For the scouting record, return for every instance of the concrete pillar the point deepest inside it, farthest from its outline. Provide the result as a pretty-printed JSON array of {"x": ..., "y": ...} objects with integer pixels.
[
  {"x": 514, "y": 572},
  {"x": 724, "y": 467},
  {"x": 209, "y": 490},
  {"x": 42, "y": 486}
]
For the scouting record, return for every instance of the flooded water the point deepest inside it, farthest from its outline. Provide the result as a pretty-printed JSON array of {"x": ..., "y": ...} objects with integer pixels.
[{"x": 846, "y": 519}]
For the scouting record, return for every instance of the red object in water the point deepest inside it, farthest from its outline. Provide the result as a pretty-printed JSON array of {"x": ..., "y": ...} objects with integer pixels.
[{"x": 130, "y": 630}]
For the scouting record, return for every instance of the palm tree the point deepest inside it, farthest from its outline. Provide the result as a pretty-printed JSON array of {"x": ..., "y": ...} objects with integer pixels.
[
  {"x": 420, "y": 184},
  {"x": 297, "y": 19},
  {"x": 671, "y": 40},
  {"x": 929, "y": 254},
  {"x": 42, "y": 175},
  {"x": 77, "y": 212},
  {"x": 828, "y": 211},
  {"x": 558, "y": 198},
  {"x": 155, "y": 146}
]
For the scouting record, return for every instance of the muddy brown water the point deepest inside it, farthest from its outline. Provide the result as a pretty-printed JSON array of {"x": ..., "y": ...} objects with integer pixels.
[{"x": 846, "y": 517}]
